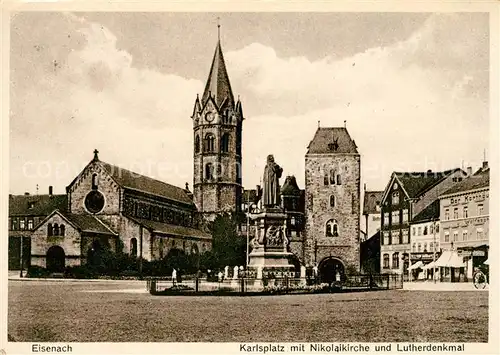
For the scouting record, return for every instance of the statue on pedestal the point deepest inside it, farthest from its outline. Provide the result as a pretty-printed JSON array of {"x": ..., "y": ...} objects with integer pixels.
[{"x": 271, "y": 187}]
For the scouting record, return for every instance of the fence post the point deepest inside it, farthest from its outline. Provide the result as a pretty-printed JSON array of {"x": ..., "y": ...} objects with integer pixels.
[
  {"x": 388, "y": 277},
  {"x": 242, "y": 285},
  {"x": 152, "y": 287},
  {"x": 196, "y": 281}
]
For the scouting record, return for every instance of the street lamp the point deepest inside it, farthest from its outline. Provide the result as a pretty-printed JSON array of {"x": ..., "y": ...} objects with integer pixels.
[{"x": 21, "y": 252}]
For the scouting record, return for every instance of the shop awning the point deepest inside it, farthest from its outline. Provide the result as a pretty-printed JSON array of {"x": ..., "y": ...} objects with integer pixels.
[
  {"x": 450, "y": 258},
  {"x": 430, "y": 265},
  {"x": 417, "y": 265}
]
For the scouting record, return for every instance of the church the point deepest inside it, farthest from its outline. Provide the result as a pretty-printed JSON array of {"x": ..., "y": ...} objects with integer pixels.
[{"x": 107, "y": 206}]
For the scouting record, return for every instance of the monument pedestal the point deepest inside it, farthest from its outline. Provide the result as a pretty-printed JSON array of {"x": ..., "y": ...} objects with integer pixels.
[{"x": 270, "y": 255}]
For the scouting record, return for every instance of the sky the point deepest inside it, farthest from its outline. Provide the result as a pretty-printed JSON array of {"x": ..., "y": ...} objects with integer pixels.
[{"x": 412, "y": 88}]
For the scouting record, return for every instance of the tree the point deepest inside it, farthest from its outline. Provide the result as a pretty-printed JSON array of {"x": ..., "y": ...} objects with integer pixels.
[{"x": 228, "y": 248}]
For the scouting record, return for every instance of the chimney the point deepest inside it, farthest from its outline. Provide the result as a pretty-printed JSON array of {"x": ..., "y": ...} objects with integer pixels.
[
  {"x": 26, "y": 194},
  {"x": 50, "y": 190},
  {"x": 469, "y": 170},
  {"x": 485, "y": 165}
]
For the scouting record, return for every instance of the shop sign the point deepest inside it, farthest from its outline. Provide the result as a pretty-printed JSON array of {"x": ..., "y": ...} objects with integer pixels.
[{"x": 478, "y": 253}]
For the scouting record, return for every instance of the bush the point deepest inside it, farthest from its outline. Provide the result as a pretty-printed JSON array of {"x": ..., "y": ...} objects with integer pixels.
[
  {"x": 79, "y": 272},
  {"x": 37, "y": 271}
]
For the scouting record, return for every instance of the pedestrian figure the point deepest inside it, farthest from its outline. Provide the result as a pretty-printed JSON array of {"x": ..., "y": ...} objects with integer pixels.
[
  {"x": 315, "y": 273},
  {"x": 174, "y": 277},
  {"x": 221, "y": 275}
]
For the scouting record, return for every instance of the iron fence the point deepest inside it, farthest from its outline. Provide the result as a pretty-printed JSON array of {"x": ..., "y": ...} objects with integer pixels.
[{"x": 283, "y": 285}]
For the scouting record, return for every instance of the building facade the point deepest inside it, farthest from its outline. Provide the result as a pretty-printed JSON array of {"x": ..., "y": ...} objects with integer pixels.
[
  {"x": 25, "y": 213},
  {"x": 371, "y": 213},
  {"x": 406, "y": 195},
  {"x": 332, "y": 203},
  {"x": 111, "y": 208},
  {"x": 425, "y": 243},
  {"x": 217, "y": 127},
  {"x": 370, "y": 233},
  {"x": 464, "y": 210}
]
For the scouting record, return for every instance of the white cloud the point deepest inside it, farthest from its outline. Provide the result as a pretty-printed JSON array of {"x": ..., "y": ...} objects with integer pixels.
[
  {"x": 96, "y": 99},
  {"x": 404, "y": 114},
  {"x": 405, "y": 111}
]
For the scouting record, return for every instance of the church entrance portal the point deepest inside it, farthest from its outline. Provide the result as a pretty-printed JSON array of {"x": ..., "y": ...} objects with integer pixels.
[
  {"x": 331, "y": 270},
  {"x": 55, "y": 259}
]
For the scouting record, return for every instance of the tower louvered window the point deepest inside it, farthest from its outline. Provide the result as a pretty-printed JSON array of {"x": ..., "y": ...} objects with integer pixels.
[
  {"x": 224, "y": 143},
  {"x": 209, "y": 143}
]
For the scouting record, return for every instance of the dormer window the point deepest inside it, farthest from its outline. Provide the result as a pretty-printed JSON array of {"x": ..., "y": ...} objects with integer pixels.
[
  {"x": 31, "y": 205},
  {"x": 334, "y": 146}
]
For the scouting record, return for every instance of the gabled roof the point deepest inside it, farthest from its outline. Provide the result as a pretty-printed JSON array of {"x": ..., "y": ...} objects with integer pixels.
[
  {"x": 479, "y": 180},
  {"x": 82, "y": 222},
  {"x": 42, "y": 205},
  {"x": 290, "y": 187},
  {"x": 429, "y": 213},
  {"x": 332, "y": 140},
  {"x": 416, "y": 183},
  {"x": 171, "y": 229},
  {"x": 371, "y": 200},
  {"x": 130, "y": 180},
  {"x": 137, "y": 182},
  {"x": 89, "y": 223},
  {"x": 218, "y": 85}
]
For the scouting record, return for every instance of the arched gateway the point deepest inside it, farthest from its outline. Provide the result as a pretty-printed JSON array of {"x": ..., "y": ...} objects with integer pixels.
[
  {"x": 330, "y": 270},
  {"x": 55, "y": 259}
]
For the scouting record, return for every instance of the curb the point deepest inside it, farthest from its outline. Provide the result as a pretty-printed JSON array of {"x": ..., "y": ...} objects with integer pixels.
[{"x": 70, "y": 280}]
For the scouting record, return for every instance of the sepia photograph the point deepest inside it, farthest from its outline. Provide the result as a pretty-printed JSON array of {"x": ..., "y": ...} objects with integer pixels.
[{"x": 263, "y": 178}]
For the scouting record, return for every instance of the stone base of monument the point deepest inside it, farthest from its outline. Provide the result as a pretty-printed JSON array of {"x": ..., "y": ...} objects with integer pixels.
[{"x": 270, "y": 257}]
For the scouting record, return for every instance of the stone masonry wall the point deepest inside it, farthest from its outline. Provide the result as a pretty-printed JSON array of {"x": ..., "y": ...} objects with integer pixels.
[
  {"x": 41, "y": 242},
  {"x": 105, "y": 185},
  {"x": 346, "y": 211}
]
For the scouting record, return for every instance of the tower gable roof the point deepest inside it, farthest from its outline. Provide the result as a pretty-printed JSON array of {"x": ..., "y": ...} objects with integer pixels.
[
  {"x": 332, "y": 140},
  {"x": 218, "y": 85}
]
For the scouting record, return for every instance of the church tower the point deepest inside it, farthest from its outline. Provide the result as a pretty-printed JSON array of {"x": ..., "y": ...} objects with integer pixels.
[{"x": 217, "y": 127}]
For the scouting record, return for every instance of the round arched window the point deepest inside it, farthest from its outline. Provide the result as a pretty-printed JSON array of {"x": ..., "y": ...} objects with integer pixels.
[{"x": 94, "y": 201}]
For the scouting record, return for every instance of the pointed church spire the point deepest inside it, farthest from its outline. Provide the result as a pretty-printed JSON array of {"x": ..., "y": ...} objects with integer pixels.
[{"x": 218, "y": 85}]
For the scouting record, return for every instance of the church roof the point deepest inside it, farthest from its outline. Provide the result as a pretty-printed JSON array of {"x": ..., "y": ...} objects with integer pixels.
[
  {"x": 36, "y": 205},
  {"x": 371, "y": 200},
  {"x": 171, "y": 229},
  {"x": 332, "y": 140},
  {"x": 218, "y": 81},
  {"x": 131, "y": 180}
]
